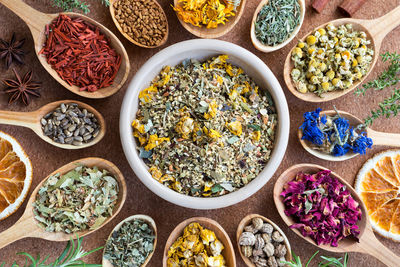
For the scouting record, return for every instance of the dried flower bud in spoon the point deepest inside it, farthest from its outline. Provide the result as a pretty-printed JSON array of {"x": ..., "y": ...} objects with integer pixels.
[{"x": 333, "y": 134}]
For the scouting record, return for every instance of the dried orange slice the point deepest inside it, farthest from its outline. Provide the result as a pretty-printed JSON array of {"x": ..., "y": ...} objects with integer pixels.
[
  {"x": 378, "y": 184},
  {"x": 15, "y": 175}
]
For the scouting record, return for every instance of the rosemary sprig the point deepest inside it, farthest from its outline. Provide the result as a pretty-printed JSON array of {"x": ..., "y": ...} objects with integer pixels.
[
  {"x": 71, "y": 5},
  {"x": 70, "y": 257},
  {"x": 326, "y": 261},
  {"x": 387, "y": 78},
  {"x": 387, "y": 108}
]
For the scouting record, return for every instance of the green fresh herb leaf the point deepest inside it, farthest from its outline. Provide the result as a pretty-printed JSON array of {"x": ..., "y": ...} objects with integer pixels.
[
  {"x": 70, "y": 257},
  {"x": 71, "y": 5},
  {"x": 308, "y": 205}
]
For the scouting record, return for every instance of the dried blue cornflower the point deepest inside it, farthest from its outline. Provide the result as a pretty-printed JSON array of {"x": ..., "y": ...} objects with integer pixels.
[
  {"x": 310, "y": 127},
  {"x": 333, "y": 134}
]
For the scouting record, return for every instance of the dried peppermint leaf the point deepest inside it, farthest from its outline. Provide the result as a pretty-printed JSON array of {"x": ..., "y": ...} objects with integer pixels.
[{"x": 81, "y": 199}]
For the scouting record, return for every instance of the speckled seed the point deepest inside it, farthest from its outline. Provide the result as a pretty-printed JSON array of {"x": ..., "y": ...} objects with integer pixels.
[
  {"x": 247, "y": 239},
  {"x": 267, "y": 228},
  {"x": 280, "y": 251},
  {"x": 247, "y": 250},
  {"x": 257, "y": 223},
  {"x": 272, "y": 262},
  {"x": 63, "y": 125},
  {"x": 277, "y": 237},
  {"x": 259, "y": 244},
  {"x": 269, "y": 249}
]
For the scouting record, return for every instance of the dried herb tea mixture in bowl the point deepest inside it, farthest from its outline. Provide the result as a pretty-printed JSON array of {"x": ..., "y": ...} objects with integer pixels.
[
  {"x": 79, "y": 200},
  {"x": 205, "y": 129},
  {"x": 130, "y": 245}
]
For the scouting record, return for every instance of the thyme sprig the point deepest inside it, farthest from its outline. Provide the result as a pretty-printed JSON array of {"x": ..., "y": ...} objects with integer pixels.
[
  {"x": 387, "y": 78},
  {"x": 389, "y": 107},
  {"x": 71, "y": 256},
  {"x": 71, "y": 5},
  {"x": 326, "y": 261}
]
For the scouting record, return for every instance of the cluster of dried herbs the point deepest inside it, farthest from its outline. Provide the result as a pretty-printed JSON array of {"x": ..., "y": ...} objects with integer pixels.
[
  {"x": 80, "y": 199},
  {"x": 203, "y": 128},
  {"x": 130, "y": 245},
  {"x": 197, "y": 246}
]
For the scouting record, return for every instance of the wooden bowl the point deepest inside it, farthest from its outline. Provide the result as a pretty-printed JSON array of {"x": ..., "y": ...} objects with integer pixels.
[
  {"x": 247, "y": 221},
  {"x": 221, "y": 29},
  {"x": 163, "y": 41},
  {"x": 228, "y": 252},
  {"x": 148, "y": 220},
  {"x": 266, "y": 48}
]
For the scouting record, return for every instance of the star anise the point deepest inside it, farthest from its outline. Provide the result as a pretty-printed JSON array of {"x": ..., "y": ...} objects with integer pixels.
[
  {"x": 12, "y": 51},
  {"x": 21, "y": 88}
]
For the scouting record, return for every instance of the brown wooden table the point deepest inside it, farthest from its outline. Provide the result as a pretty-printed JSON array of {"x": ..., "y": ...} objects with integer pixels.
[{"x": 45, "y": 158}]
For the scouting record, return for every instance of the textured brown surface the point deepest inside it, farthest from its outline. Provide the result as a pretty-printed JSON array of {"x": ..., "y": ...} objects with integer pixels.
[{"x": 45, "y": 158}]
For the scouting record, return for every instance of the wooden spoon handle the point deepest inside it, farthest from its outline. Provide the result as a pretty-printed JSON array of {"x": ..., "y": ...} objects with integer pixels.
[
  {"x": 384, "y": 139},
  {"x": 370, "y": 245},
  {"x": 26, "y": 119},
  {"x": 381, "y": 26},
  {"x": 24, "y": 227},
  {"x": 34, "y": 19}
]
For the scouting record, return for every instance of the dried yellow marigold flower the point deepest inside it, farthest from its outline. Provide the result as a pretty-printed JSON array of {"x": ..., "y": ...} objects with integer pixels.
[
  {"x": 154, "y": 141},
  {"x": 235, "y": 127},
  {"x": 185, "y": 127},
  {"x": 147, "y": 94}
]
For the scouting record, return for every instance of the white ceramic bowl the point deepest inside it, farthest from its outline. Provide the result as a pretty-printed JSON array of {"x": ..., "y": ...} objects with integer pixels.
[{"x": 203, "y": 49}]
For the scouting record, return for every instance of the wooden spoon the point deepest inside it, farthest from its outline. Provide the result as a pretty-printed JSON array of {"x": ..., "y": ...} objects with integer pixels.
[
  {"x": 368, "y": 243},
  {"x": 375, "y": 29},
  {"x": 228, "y": 252},
  {"x": 32, "y": 121},
  {"x": 221, "y": 29},
  {"x": 27, "y": 225},
  {"x": 247, "y": 221},
  {"x": 266, "y": 48},
  {"x": 150, "y": 221},
  {"x": 163, "y": 41},
  {"x": 378, "y": 138},
  {"x": 37, "y": 22}
]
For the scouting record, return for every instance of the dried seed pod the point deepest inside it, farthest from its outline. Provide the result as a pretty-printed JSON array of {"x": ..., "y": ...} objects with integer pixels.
[
  {"x": 247, "y": 251},
  {"x": 272, "y": 262},
  {"x": 261, "y": 262},
  {"x": 269, "y": 249},
  {"x": 267, "y": 228},
  {"x": 280, "y": 250},
  {"x": 247, "y": 239},
  {"x": 250, "y": 228},
  {"x": 258, "y": 252},
  {"x": 259, "y": 244},
  {"x": 267, "y": 238},
  {"x": 254, "y": 259},
  {"x": 277, "y": 237},
  {"x": 257, "y": 223}
]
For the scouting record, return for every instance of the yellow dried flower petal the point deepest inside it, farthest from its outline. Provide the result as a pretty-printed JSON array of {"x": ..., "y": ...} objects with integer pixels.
[
  {"x": 147, "y": 94},
  {"x": 185, "y": 127},
  {"x": 235, "y": 127},
  {"x": 207, "y": 236},
  {"x": 154, "y": 141},
  {"x": 138, "y": 126},
  {"x": 256, "y": 135},
  {"x": 233, "y": 94},
  {"x": 212, "y": 110},
  {"x": 155, "y": 172}
]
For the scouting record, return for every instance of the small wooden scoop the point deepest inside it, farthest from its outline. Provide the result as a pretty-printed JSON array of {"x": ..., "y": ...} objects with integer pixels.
[
  {"x": 148, "y": 220},
  {"x": 37, "y": 22},
  {"x": 375, "y": 29},
  {"x": 378, "y": 138},
  {"x": 27, "y": 225},
  {"x": 118, "y": 25},
  {"x": 228, "y": 252},
  {"x": 221, "y": 29},
  {"x": 368, "y": 243},
  {"x": 32, "y": 121},
  {"x": 247, "y": 221},
  {"x": 266, "y": 48}
]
